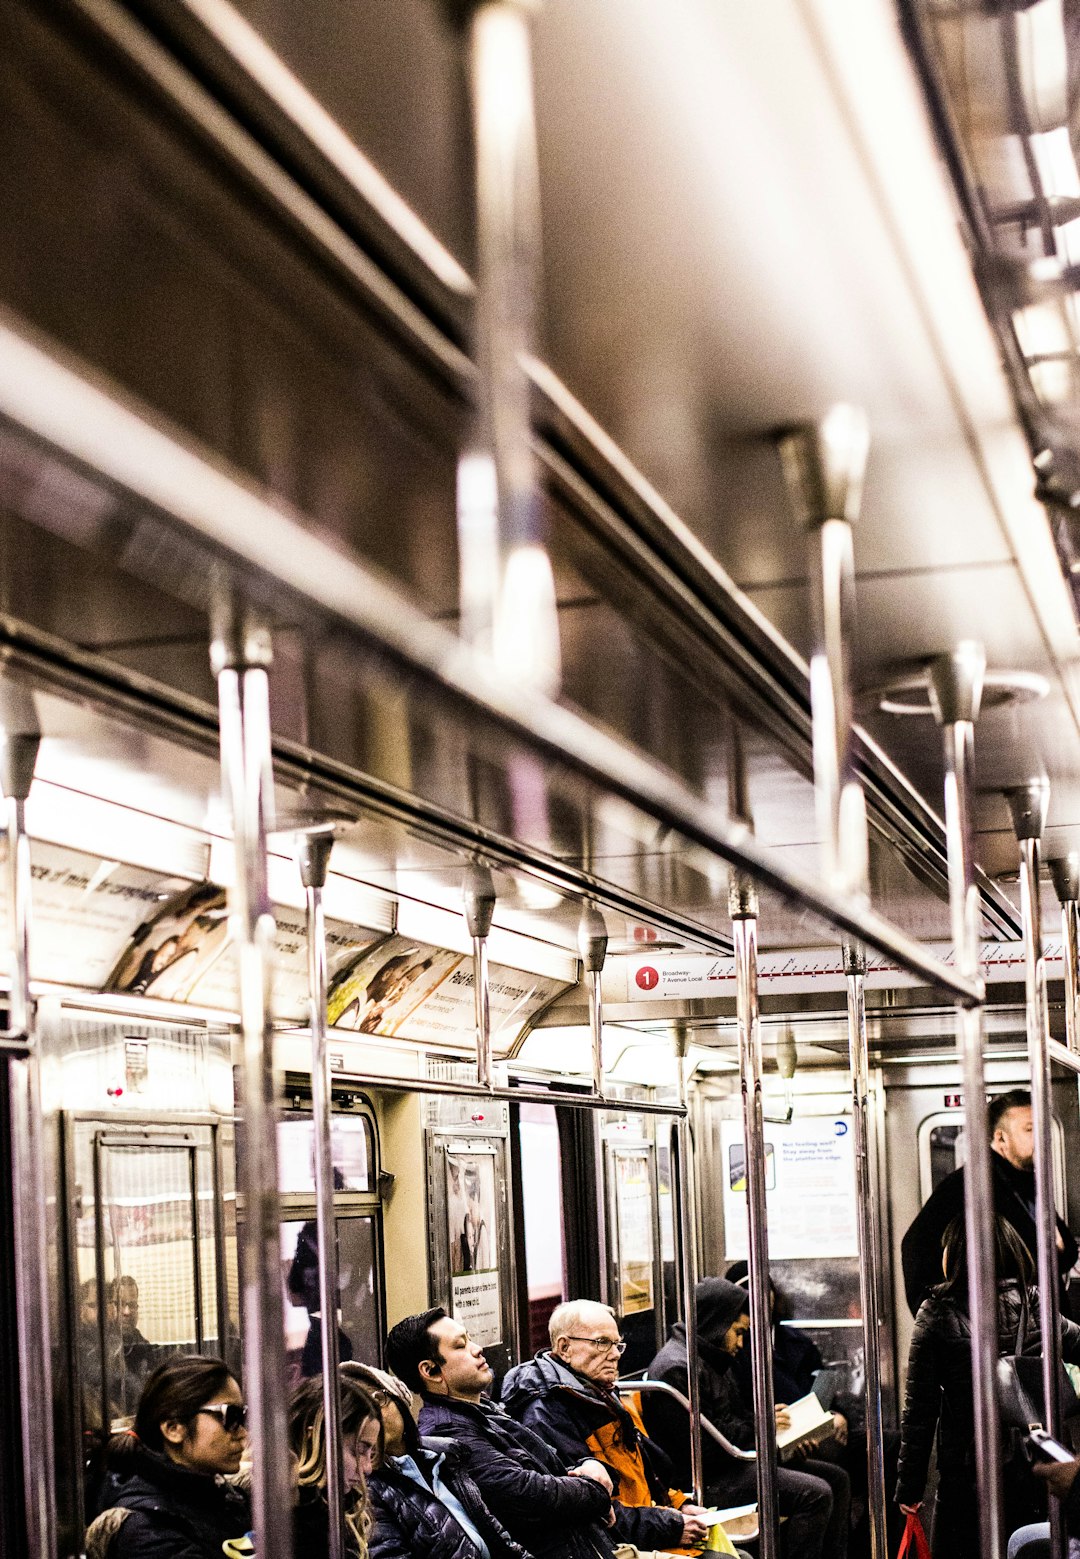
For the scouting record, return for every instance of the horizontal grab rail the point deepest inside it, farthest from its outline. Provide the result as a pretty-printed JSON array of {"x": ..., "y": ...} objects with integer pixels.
[
  {"x": 73, "y": 415},
  {"x": 628, "y": 1386}
]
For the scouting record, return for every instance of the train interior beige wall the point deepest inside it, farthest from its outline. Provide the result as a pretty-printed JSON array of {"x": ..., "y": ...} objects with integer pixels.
[{"x": 405, "y": 1212}]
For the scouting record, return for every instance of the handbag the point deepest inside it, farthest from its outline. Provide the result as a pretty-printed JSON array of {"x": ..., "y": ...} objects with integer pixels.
[
  {"x": 914, "y": 1539},
  {"x": 1029, "y": 1373}
]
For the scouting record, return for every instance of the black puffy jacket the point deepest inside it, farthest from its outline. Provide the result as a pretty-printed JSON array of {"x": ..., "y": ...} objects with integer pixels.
[
  {"x": 938, "y": 1396},
  {"x": 719, "y": 1305},
  {"x": 577, "y": 1419},
  {"x": 523, "y": 1481},
  {"x": 1014, "y": 1200},
  {"x": 412, "y": 1523},
  {"x": 176, "y": 1514}
]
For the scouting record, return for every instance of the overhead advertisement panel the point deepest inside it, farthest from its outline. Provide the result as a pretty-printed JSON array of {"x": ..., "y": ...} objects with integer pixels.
[{"x": 408, "y": 988}]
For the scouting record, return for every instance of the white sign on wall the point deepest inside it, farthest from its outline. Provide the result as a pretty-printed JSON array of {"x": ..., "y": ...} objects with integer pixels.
[{"x": 810, "y": 1189}]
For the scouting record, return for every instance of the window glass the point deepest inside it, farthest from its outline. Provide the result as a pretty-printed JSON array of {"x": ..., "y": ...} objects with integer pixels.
[
  {"x": 359, "y": 1328},
  {"x": 352, "y": 1152}
]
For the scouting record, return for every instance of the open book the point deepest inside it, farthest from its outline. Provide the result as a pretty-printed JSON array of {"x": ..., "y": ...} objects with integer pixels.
[{"x": 807, "y": 1416}]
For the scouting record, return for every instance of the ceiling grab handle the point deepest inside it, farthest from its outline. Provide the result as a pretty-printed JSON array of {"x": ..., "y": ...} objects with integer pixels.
[
  {"x": 240, "y": 655},
  {"x": 743, "y": 908},
  {"x": 592, "y": 946},
  {"x": 1028, "y": 804},
  {"x": 1065, "y": 871},
  {"x": 955, "y": 688},
  {"x": 479, "y": 901},
  {"x": 18, "y": 756},
  {"x": 313, "y": 847},
  {"x": 686, "y": 1215},
  {"x": 825, "y": 466}
]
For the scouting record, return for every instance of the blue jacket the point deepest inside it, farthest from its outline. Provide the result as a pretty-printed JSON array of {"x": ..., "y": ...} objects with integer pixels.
[{"x": 411, "y": 1523}]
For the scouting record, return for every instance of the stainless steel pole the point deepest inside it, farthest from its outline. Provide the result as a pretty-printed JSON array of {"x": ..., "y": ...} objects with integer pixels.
[
  {"x": 479, "y": 905},
  {"x": 955, "y": 694},
  {"x": 313, "y": 849},
  {"x": 869, "y": 1250},
  {"x": 240, "y": 656},
  {"x": 18, "y": 756},
  {"x": 1028, "y": 804},
  {"x": 526, "y": 629},
  {"x": 825, "y": 464},
  {"x": 688, "y": 1258},
  {"x": 1065, "y": 871},
  {"x": 592, "y": 945},
  {"x": 743, "y": 905}
]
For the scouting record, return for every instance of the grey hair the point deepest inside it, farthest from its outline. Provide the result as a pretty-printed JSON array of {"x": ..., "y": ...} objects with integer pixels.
[{"x": 572, "y": 1316}]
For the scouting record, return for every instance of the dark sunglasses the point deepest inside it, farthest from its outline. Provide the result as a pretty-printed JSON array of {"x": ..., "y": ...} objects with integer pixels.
[{"x": 230, "y": 1415}]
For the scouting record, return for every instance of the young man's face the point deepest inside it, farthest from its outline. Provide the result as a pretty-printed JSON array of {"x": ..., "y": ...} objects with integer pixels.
[
  {"x": 463, "y": 1370},
  {"x": 733, "y": 1337},
  {"x": 1014, "y": 1137}
]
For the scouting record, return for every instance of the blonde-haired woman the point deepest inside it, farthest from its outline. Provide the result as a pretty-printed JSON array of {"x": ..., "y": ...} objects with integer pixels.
[{"x": 361, "y": 1435}]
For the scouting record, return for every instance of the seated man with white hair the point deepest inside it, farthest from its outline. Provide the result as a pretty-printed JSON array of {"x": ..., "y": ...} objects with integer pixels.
[{"x": 566, "y": 1395}]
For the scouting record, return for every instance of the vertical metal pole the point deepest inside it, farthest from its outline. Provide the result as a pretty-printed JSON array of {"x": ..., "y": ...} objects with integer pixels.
[
  {"x": 1065, "y": 871},
  {"x": 1028, "y": 804},
  {"x": 313, "y": 858},
  {"x": 18, "y": 755},
  {"x": 592, "y": 945},
  {"x": 688, "y": 1259},
  {"x": 526, "y": 630},
  {"x": 240, "y": 655},
  {"x": 869, "y": 1252},
  {"x": 743, "y": 903},
  {"x": 479, "y": 904},
  {"x": 825, "y": 465},
  {"x": 955, "y": 693}
]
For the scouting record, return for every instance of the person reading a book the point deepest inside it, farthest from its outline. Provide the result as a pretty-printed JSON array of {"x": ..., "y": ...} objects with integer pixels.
[{"x": 815, "y": 1499}]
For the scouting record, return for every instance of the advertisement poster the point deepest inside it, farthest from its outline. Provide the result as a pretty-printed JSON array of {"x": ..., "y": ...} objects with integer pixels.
[
  {"x": 634, "y": 1224},
  {"x": 472, "y": 1240},
  {"x": 810, "y": 1189},
  {"x": 376, "y": 993},
  {"x": 448, "y": 1013}
]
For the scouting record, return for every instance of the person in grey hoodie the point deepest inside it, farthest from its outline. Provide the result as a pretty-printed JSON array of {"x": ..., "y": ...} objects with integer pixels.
[{"x": 816, "y": 1499}]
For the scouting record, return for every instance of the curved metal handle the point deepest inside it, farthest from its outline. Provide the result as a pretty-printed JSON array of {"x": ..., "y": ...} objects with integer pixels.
[{"x": 628, "y": 1386}]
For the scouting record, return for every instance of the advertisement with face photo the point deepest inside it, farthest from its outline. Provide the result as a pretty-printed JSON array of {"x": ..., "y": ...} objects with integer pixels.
[
  {"x": 375, "y": 993},
  {"x": 472, "y": 1239},
  {"x": 172, "y": 950}
]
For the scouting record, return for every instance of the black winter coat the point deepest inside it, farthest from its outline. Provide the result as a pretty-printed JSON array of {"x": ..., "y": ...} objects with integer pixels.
[
  {"x": 566, "y": 1411},
  {"x": 718, "y": 1304},
  {"x": 938, "y": 1397},
  {"x": 523, "y": 1482},
  {"x": 795, "y": 1360},
  {"x": 176, "y": 1514},
  {"x": 411, "y": 1523},
  {"x": 1014, "y": 1200}
]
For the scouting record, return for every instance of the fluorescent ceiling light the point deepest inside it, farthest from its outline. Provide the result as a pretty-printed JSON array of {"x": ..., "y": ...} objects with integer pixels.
[
  {"x": 105, "y": 829},
  {"x": 1043, "y": 63},
  {"x": 1056, "y": 163}
]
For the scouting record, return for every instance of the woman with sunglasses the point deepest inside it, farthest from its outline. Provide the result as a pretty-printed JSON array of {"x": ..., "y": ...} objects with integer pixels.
[
  {"x": 189, "y": 1435},
  {"x": 361, "y": 1432}
]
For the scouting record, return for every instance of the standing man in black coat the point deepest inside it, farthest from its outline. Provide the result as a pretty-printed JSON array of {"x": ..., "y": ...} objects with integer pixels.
[
  {"x": 1012, "y": 1162},
  {"x": 552, "y": 1512}
]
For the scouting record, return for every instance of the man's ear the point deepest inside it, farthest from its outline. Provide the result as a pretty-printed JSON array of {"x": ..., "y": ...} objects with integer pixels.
[
  {"x": 173, "y": 1431},
  {"x": 428, "y": 1370}
]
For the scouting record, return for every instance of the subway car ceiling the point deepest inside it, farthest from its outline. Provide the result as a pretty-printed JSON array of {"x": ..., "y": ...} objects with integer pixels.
[{"x": 254, "y": 234}]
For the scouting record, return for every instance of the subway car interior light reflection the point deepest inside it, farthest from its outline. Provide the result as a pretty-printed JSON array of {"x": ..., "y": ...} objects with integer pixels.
[{"x": 540, "y": 777}]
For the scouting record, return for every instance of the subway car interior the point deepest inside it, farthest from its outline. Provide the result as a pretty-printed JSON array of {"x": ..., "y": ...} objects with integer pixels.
[{"x": 539, "y": 709}]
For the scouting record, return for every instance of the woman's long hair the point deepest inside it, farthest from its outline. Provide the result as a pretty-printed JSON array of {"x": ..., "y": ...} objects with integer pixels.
[
  {"x": 307, "y": 1438},
  {"x": 176, "y": 1391},
  {"x": 1012, "y": 1259}
]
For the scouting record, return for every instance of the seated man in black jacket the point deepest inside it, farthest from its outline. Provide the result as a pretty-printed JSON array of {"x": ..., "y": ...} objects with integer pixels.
[
  {"x": 566, "y": 1396},
  {"x": 1011, "y": 1159},
  {"x": 552, "y": 1512},
  {"x": 816, "y": 1504}
]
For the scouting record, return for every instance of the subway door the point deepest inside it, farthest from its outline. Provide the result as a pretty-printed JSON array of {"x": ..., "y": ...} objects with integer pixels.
[
  {"x": 635, "y": 1277},
  {"x": 472, "y": 1258}
]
